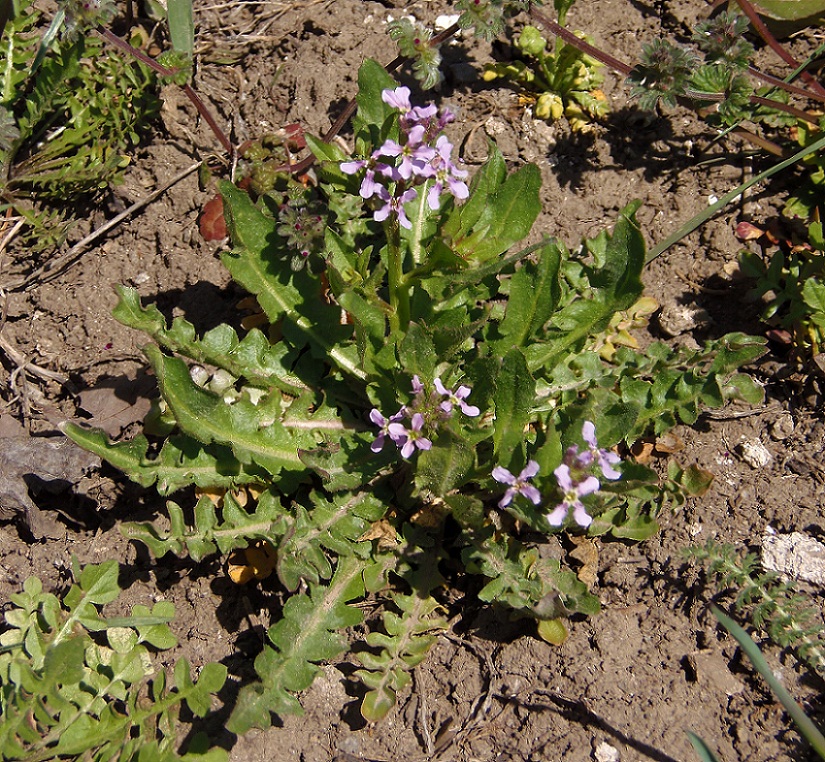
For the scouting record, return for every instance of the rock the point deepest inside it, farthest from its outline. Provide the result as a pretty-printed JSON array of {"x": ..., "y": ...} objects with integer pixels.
[
  {"x": 754, "y": 453},
  {"x": 676, "y": 319},
  {"x": 606, "y": 753},
  {"x": 795, "y": 555},
  {"x": 782, "y": 427}
]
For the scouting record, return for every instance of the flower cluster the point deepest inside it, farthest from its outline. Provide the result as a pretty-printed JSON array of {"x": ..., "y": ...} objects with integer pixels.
[
  {"x": 414, "y": 425},
  {"x": 303, "y": 228},
  {"x": 573, "y": 476},
  {"x": 82, "y": 15},
  {"x": 423, "y": 155}
]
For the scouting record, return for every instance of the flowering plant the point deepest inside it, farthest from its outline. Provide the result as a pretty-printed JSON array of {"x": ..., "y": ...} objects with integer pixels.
[{"x": 424, "y": 404}]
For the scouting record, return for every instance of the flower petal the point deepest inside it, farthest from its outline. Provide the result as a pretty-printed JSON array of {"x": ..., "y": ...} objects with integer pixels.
[
  {"x": 588, "y": 486},
  {"x": 529, "y": 471},
  {"x": 589, "y": 433},
  {"x": 501, "y": 474},
  {"x": 531, "y": 493},
  {"x": 557, "y": 516},
  {"x": 581, "y": 516}
]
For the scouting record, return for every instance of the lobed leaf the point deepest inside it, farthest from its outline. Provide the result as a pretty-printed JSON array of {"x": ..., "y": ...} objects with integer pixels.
[{"x": 308, "y": 632}]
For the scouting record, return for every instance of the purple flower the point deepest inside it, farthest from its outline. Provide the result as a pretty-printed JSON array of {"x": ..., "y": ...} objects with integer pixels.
[
  {"x": 605, "y": 458},
  {"x": 446, "y": 173},
  {"x": 388, "y": 428},
  {"x": 398, "y": 98},
  {"x": 456, "y": 398},
  {"x": 573, "y": 491},
  {"x": 415, "y": 154},
  {"x": 414, "y": 437},
  {"x": 393, "y": 204},
  {"x": 368, "y": 184},
  {"x": 353, "y": 167},
  {"x": 420, "y": 114},
  {"x": 517, "y": 485}
]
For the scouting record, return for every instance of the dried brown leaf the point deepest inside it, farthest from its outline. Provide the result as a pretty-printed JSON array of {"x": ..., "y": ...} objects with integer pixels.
[{"x": 51, "y": 463}]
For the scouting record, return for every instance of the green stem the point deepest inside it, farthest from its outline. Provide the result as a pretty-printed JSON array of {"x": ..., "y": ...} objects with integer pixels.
[
  {"x": 711, "y": 211},
  {"x": 399, "y": 293},
  {"x": 416, "y": 250},
  {"x": 797, "y": 713}
]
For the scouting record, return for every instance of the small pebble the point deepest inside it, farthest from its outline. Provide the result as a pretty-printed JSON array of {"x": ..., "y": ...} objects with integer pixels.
[
  {"x": 606, "y": 753},
  {"x": 782, "y": 427},
  {"x": 447, "y": 20},
  {"x": 676, "y": 319},
  {"x": 754, "y": 453}
]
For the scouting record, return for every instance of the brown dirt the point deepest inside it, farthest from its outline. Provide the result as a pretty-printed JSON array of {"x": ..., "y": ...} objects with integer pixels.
[{"x": 654, "y": 663}]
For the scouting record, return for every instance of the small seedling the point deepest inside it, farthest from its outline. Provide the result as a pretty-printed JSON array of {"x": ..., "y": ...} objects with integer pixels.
[
  {"x": 78, "y": 685},
  {"x": 560, "y": 83},
  {"x": 791, "y": 283}
]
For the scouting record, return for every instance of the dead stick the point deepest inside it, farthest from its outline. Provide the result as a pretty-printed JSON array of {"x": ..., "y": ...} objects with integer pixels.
[{"x": 54, "y": 267}]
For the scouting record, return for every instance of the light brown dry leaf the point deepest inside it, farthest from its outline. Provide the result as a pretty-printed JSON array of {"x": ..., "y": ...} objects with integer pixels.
[
  {"x": 257, "y": 561},
  {"x": 642, "y": 450},
  {"x": 431, "y": 515},
  {"x": 669, "y": 443},
  {"x": 587, "y": 553},
  {"x": 382, "y": 531},
  {"x": 116, "y": 403}
]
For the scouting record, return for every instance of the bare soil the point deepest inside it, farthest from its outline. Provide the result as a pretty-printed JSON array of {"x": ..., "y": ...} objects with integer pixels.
[{"x": 653, "y": 663}]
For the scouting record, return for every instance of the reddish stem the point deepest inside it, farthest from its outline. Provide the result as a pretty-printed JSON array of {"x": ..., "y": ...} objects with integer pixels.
[
  {"x": 621, "y": 67},
  {"x": 557, "y": 29},
  {"x": 121, "y": 44},
  {"x": 766, "y": 35},
  {"x": 769, "y": 79}
]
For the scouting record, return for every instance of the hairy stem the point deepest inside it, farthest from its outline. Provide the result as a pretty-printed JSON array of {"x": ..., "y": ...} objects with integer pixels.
[{"x": 398, "y": 291}]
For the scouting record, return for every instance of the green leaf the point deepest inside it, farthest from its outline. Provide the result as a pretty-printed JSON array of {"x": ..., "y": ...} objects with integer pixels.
[
  {"x": 259, "y": 261},
  {"x": 446, "y": 466},
  {"x": 181, "y": 26},
  {"x": 552, "y": 631},
  {"x": 253, "y": 357},
  {"x": 310, "y": 631},
  {"x": 534, "y": 296},
  {"x": 372, "y": 112},
  {"x": 408, "y": 638},
  {"x": 638, "y": 529},
  {"x": 621, "y": 259},
  {"x": 99, "y": 583},
  {"x": 416, "y": 353},
  {"x": 790, "y": 10},
  {"x": 506, "y": 218},
  {"x": 701, "y": 748},
  {"x": 182, "y": 461},
  {"x": 514, "y": 397},
  {"x": 204, "y": 415}
]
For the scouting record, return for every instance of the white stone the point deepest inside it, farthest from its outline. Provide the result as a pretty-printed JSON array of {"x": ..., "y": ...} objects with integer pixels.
[
  {"x": 607, "y": 753},
  {"x": 795, "y": 555},
  {"x": 754, "y": 453}
]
